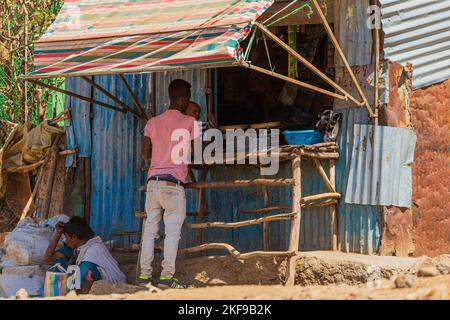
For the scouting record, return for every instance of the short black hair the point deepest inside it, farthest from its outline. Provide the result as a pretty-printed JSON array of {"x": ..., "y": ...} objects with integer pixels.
[
  {"x": 179, "y": 88},
  {"x": 79, "y": 227}
]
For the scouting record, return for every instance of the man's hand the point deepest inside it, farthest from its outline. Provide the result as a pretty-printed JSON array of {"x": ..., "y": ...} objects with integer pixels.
[{"x": 59, "y": 227}]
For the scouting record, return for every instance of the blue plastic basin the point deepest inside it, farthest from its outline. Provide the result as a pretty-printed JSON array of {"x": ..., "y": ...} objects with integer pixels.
[{"x": 303, "y": 138}]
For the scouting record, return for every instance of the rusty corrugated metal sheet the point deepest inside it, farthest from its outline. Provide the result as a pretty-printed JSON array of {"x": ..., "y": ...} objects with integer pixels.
[
  {"x": 431, "y": 169},
  {"x": 418, "y": 31},
  {"x": 354, "y": 37},
  {"x": 380, "y": 167}
]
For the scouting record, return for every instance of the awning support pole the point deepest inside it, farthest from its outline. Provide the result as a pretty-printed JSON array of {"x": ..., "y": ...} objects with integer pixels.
[
  {"x": 106, "y": 93},
  {"x": 133, "y": 97},
  {"x": 343, "y": 58},
  {"x": 75, "y": 95},
  {"x": 294, "y": 81},
  {"x": 300, "y": 58},
  {"x": 377, "y": 75}
]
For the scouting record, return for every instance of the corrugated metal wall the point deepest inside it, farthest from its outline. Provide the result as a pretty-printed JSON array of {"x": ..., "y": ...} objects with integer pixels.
[
  {"x": 380, "y": 172},
  {"x": 360, "y": 226},
  {"x": 113, "y": 143},
  {"x": 352, "y": 32},
  {"x": 418, "y": 31}
]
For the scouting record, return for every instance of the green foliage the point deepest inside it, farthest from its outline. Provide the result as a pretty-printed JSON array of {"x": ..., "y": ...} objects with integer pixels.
[{"x": 22, "y": 22}]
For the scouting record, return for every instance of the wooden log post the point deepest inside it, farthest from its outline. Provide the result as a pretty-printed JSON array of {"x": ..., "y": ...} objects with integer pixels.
[
  {"x": 265, "y": 225},
  {"x": 334, "y": 227},
  {"x": 201, "y": 205},
  {"x": 295, "y": 224}
]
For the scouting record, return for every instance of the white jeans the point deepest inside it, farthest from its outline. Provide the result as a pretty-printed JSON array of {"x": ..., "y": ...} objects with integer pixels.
[{"x": 170, "y": 200}]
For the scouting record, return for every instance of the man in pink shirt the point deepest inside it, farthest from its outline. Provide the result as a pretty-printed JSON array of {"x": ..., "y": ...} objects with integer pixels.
[{"x": 167, "y": 138}]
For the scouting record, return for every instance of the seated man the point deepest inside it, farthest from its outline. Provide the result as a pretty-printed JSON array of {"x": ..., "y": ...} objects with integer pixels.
[{"x": 85, "y": 250}]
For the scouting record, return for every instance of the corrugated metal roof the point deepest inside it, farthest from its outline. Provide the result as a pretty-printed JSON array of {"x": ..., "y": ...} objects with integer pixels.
[
  {"x": 380, "y": 171},
  {"x": 418, "y": 31}
]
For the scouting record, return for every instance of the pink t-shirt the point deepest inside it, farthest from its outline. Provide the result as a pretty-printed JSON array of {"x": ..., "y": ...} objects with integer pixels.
[{"x": 168, "y": 126}]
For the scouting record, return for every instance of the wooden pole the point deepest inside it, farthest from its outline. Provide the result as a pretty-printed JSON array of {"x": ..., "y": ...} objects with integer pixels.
[
  {"x": 201, "y": 204},
  {"x": 334, "y": 229},
  {"x": 78, "y": 96},
  {"x": 309, "y": 65},
  {"x": 377, "y": 74},
  {"x": 329, "y": 195},
  {"x": 295, "y": 224},
  {"x": 106, "y": 93},
  {"x": 324, "y": 176},
  {"x": 294, "y": 81},
  {"x": 234, "y": 252},
  {"x": 239, "y": 183},
  {"x": 54, "y": 150},
  {"x": 265, "y": 226},
  {"x": 342, "y": 56},
  {"x": 240, "y": 224},
  {"x": 25, "y": 62},
  {"x": 133, "y": 96}
]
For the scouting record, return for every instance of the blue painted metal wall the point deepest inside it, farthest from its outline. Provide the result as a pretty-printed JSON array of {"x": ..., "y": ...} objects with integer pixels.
[
  {"x": 115, "y": 140},
  {"x": 360, "y": 226}
]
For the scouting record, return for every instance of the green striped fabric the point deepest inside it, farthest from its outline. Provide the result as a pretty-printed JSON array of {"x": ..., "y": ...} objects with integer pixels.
[{"x": 131, "y": 36}]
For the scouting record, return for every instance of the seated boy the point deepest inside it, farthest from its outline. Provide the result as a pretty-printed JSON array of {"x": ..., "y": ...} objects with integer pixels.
[{"x": 88, "y": 252}]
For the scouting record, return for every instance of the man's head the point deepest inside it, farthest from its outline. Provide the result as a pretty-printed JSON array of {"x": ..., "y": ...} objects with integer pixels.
[
  {"x": 179, "y": 94},
  {"x": 77, "y": 232},
  {"x": 193, "y": 110}
]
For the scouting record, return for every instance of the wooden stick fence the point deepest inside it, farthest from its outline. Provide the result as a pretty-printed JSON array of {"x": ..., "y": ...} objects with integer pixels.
[{"x": 295, "y": 154}]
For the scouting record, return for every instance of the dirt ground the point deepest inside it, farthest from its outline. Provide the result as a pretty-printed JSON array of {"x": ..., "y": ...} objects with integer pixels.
[{"x": 319, "y": 275}]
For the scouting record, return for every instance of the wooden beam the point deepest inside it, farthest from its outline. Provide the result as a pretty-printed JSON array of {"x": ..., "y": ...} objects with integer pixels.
[
  {"x": 239, "y": 183},
  {"x": 75, "y": 95},
  {"x": 377, "y": 75},
  {"x": 293, "y": 81},
  {"x": 266, "y": 225},
  {"x": 342, "y": 56},
  {"x": 334, "y": 226},
  {"x": 133, "y": 97},
  {"x": 240, "y": 224},
  {"x": 309, "y": 65},
  {"x": 324, "y": 176},
  {"x": 106, "y": 93},
  {"x": 268, "y": 209},
  {"x": 326, "y": 203},
  {"x": 295, "y": 224},
  {"x": 322, "y": 196},
  {"x": 54, "y": 150},
  {"x": 235, "y": 253}
]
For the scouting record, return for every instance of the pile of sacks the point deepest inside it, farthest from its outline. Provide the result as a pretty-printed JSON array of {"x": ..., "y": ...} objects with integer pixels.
[
  {"x": 27, "y": 243},
  {"x": 22, "y": 262}
]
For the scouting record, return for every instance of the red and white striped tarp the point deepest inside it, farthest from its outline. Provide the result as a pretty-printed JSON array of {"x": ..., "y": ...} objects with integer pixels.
[{"x": 122, "y": 36}]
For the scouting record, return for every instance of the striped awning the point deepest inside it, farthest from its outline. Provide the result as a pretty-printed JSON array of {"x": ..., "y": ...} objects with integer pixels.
[{"x": 92, "y": 37}]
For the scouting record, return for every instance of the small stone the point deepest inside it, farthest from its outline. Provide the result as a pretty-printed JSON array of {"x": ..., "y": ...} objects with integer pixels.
[
  {"x": 428, "y": 272},
  {"x": 152, "y": 289},
  {"x": 22, "y": 294},
  {"x": 72, "y": 294},
  {"x": 405, "y": 281}
]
